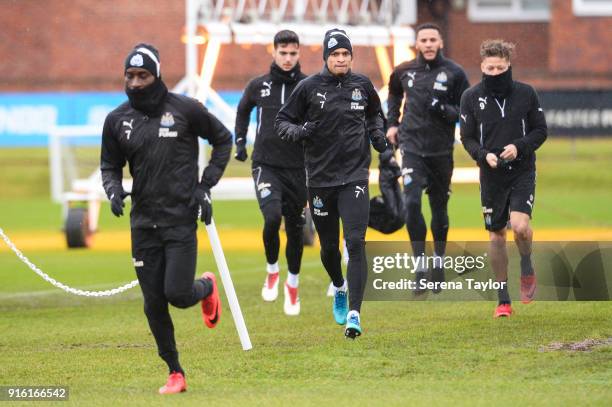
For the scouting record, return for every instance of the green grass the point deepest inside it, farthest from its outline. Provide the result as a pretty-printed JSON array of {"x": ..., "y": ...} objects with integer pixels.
[
  {"x": 574, "y": 187},
  {"x": 411, "y": 353}
]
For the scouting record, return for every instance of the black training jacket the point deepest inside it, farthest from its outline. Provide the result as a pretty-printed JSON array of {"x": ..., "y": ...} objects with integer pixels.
[
  {"x": 349, "y": 114},
  {"x": 268, "y": 93},
  {"x": 162, "y": 153},
  {"x": 423, "y": 131},
  {"x": 489, "y": 124}
]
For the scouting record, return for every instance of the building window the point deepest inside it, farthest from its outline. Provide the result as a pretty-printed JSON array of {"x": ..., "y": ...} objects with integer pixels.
[
  {"x": 592, "y": 7},
  {"x": 509, "y": 10}
]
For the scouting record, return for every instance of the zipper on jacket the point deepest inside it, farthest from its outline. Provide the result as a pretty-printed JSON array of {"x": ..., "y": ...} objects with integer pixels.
[
  {"x": 481, "y": 136},
  {"x": 523, "y": 123},
  {"x": 283, "y": 95},
  {"x": 501, "y": 107}
]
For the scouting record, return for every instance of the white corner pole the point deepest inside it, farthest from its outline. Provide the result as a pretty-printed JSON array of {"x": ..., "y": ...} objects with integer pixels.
[
  {"x": 228, "y": 286},
  {"x": 204, "y": 80}
]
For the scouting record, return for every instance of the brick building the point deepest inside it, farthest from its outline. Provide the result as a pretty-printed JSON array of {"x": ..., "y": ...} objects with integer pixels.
[
  {"x": 80, "y": 44},
  {"x": 559, "y": 44}
]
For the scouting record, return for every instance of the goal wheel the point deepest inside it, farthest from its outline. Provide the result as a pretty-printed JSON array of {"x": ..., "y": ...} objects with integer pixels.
[{"x": 77, "y": 228}]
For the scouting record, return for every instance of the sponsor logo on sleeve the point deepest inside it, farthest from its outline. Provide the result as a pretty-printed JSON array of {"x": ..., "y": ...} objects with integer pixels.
[
  {"x": 130, "y": 127},
  {"x": 411, "y": 80},
  {"x": 265, "y": 91},
  {"x": 483, "y": 103}
]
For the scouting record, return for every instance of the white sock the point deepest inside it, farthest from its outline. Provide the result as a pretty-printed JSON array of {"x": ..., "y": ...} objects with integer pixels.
[
  {"x": 343, "y": 288},
  {"x": 293, "y": 280},
  {"x": 272, "y": 268}
]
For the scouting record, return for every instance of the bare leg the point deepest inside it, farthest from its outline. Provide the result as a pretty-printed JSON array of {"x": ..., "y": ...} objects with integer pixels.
[
  {"x": 523, "y": 234},
  {"x": 499, "y": 255}
]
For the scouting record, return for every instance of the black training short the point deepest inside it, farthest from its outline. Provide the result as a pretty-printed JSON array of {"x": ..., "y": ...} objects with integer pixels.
[
  {"x": 430, "y": 173},
  {"x": 285, "y": 184},
  {"x": 502, "y": 193}
]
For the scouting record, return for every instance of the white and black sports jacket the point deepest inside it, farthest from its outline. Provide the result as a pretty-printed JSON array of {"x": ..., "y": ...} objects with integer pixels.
[
  {"x": 488, "y": 124},
  {"x": 162, "y": 153},
  {"x": 348, "y": 112},
  {"x": 269, "y": 93},
  {"x": 423, "y": 131}
]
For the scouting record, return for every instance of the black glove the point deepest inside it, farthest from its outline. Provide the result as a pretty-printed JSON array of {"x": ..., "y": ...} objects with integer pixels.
[
  {"x": 241, "y": 152},
  {"x": 301, "y": 134},
  {"x": 205, "y": 202},
  {"x": 380, "y": 144},
  {"x": 437, "y": 106},
  {"x": 386, "y": 156},
  {"x": 501, "y": 163},
  {"x": 116, "y": 200}
]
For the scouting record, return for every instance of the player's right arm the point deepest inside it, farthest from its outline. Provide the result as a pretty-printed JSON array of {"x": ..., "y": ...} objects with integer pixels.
[
  {"x": 394, "y": 103},
  {"x": 290, "y": 122},
  {"x": 470, "y": 131},
  {"x": 243, "y": 114},
  {"x": 112, "y": 159}
]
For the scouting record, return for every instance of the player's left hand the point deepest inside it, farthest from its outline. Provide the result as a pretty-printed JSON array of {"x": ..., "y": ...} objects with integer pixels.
[
  {"x": 379, "y": 144},
  {"x": 241, "y": 152},
  {"x": 510, "y": 152},
  {"x": 205, "y": 202},
  {"x": 117, "y": 203},
  {"x": 437, "y": 106}
]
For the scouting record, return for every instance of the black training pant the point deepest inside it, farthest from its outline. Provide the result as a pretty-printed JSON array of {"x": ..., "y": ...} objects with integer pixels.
[
  {"x": 351, "y": 203},
  {"x": 432, "y": 174},
  {"x": 165, "y": 262},
  {"x": 282, "y": 192}
]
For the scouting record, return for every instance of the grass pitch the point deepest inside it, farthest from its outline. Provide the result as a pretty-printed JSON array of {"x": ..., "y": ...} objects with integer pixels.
[{"x": 411, "y": 353}]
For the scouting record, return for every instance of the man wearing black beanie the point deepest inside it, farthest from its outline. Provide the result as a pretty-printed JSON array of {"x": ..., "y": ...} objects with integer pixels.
[
  {"x": 336, "y": 39},
  {"x": 156, "y": 132},
  {"x": 147, "y": 99},
  {"x": 336, "y": 115}
]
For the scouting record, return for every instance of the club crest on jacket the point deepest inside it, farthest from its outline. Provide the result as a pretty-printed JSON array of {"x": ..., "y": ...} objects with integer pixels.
[{"x": 167, "y": 120}]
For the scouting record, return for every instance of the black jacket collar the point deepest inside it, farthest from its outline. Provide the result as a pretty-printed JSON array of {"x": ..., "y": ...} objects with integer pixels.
[
  {"x": 436, "y": 62},
  {"x": 278, "y": 74},
  {"x": 329, "y": 77}
]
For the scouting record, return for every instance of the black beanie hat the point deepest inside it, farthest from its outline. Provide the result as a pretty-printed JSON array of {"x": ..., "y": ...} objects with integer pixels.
[
  {"x": 144, "y": 56},
  {"x": 335, "y": 39}
]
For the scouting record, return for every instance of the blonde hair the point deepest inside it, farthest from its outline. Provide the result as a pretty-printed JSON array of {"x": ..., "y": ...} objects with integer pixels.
[{"x": 496, "y": 48}]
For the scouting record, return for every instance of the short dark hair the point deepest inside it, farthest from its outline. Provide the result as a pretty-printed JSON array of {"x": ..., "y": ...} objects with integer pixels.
[
  {"x": 496, "y": 48},
  {"x": 428, "y": 26},
  {"x": 286, "y": 37}
]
